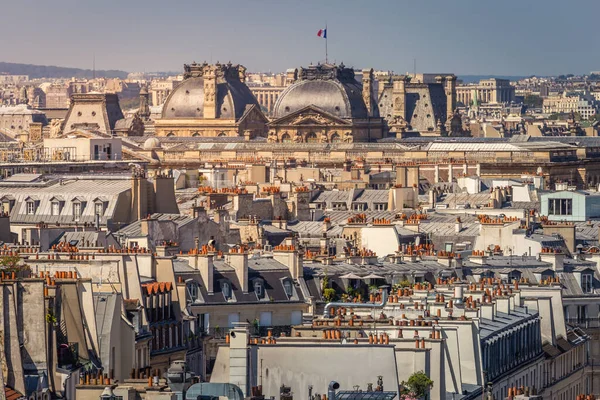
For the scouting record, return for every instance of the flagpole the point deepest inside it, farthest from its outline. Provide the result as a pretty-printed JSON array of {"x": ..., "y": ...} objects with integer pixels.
[{"x": 326, "y": 59}]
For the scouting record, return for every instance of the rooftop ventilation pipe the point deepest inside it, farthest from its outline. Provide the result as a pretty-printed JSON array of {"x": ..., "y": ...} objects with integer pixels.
[
  {"x": 333, "y": 386},
  {"x": 384, "y": 298}
]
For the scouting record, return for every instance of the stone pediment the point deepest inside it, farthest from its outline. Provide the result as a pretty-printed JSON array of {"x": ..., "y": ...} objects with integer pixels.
[
  {"x": 252, "y": 115},
  {"x": 310, "y": 116}
]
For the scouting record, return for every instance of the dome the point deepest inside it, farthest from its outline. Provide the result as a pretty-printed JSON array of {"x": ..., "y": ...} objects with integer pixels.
[
  {"x": 232, "y": 94},
  {"x": 152, "y": 143},
  {"x": 332, "y": 89}
]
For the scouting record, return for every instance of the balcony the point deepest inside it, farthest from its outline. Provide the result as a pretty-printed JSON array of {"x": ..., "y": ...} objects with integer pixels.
[
  {"x": 584, "y": 323},
  {"x": 255, "y": 330}
]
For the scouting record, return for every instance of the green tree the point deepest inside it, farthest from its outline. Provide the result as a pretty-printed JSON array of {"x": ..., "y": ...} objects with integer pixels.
[
  {"x": 12, "y": 263},
  {"x": 556, "y": 116},
  {"x": 418, "y": 384},
  {"x": 329, "y": 294},
  {"x": 532, "y": 100}
]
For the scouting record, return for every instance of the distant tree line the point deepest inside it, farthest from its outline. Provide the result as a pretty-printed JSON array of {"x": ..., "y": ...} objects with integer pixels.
[{"x": 48, "y": 71}]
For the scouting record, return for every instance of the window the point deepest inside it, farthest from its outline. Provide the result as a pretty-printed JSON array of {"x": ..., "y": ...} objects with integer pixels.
[
  {"x": 232, "y": 319},
  {"x": 514, "y": 276},
  {"x": 311, "y": 138},
  {"x": 581, "y": 313},
  {"x": 339, "y": 206},
  {"x": 296, "y": 317},
  {"x": 30, "y": 207},
  {"x": 192, "y": 289},
  {"x": 259, "y": 288},
  {"x": 77, "y": 211},
  {"x": 381, "y": 206},
  {"x": 586, "y": 283},
  {"x": 560, "y": 207},
  {"x": 55, "y": 210},
  {"x": 287, "y": 286},
  {"x": 226, "y": 289},
  {"x": 359, "y": 207},
  {"x": 285, "y": 138},
  {"x": 265, "y": 318},
  {"x": 99, "y": 208}
]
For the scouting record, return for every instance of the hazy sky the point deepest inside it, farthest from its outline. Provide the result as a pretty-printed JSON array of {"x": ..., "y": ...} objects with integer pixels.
[{"x": 504, "y": 37}]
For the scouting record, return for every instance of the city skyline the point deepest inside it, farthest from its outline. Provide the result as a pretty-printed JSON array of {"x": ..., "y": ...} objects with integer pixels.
[{"x": 511, "y": 38}]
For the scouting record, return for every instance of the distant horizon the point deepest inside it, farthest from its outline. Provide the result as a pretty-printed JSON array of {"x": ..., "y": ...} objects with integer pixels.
[
  {"x": 470, "y": 37},
  {"x": 174, "y": 73}
]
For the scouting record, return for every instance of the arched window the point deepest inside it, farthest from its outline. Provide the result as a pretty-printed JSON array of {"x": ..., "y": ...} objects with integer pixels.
[
  {"x": 335, "y": 138},
  {"x": 170, "y": 134},
  {"x": 222, "y": 134},
  {"x": 285, "y": 138},
  {"x": 311, "y": 138}
]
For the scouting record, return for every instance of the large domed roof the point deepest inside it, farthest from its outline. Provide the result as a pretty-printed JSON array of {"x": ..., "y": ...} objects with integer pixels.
[
  {"x": 232, "y": 94},
  {"x": 331, "y": 88}
]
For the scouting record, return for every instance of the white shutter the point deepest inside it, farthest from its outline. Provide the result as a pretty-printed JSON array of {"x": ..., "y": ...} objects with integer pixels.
[
  {"x": 265, "y": 318},
  {"x": 296, "y": 317}
]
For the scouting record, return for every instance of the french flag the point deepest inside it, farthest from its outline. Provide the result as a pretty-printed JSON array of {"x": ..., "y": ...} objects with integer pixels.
[{"x": 322, "y": 33}]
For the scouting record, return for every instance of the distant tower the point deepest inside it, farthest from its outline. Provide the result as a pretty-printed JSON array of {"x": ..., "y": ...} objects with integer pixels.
[
  {"x": 144, "y": 110},
  {"x": 23, "y": 98},
  {"x": 399, "y": 96},
  {"x": 367, "y": 92},
  {"x": 450, "y": 83},
  {"x": 210, "y": 91}
]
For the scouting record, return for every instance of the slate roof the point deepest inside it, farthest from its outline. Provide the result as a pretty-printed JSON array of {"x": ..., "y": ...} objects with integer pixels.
[
  {"x": 503, "y": 321},
  {"x": 313, "y": 229},
  {"x": 85, "y": 190},
  {"x": 105, "y": 308},
  {"x": 271, "y": 272},
  {"x": 135, "y": 229}
]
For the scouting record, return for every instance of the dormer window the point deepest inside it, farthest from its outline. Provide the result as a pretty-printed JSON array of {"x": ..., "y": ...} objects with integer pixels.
[
  {"x": 78, "y": 207},
  {"x": 56, "y": 205},
  {"x": 100, "y": 205},
  {"x": 99, "y": 209},
  {"x": 359, "y": 207},
  {"x": 7, "y": 203},
  {"x": 259, "y": 288},
  {"x": 31, "y": 207},
  {"x": 192, "y": 291},
  {"x": 77, "y": 211},
  {"x": 514, "y": 276},
  {"x": 31, "y": 204},
  {"x": 226, "y": 289},
  {"x": 288, "y": 288},
  {"x": 587, "y": 280}
]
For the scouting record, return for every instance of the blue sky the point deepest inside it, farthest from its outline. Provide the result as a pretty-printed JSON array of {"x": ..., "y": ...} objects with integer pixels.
[{"x": 507, "y": 37}]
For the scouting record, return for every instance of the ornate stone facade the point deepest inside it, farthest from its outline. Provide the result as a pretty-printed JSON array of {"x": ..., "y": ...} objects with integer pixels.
[
  {"x": 212, "y": 101},
  {"x": 311, "y": 125},
  {"x": 427, "y": 108},
  {"x": 325, "y": 104}
]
